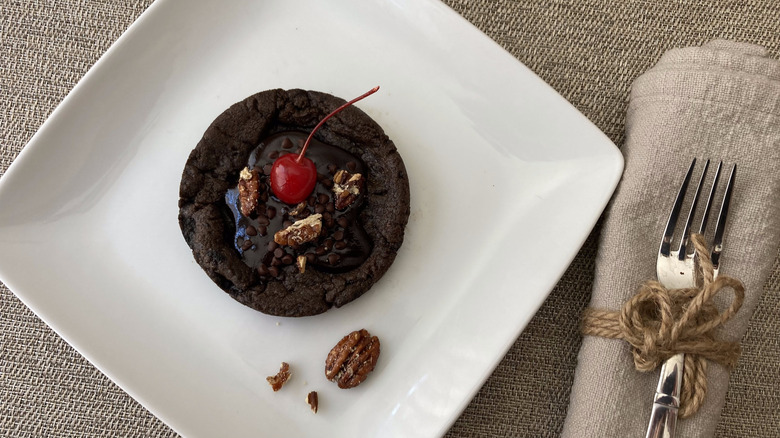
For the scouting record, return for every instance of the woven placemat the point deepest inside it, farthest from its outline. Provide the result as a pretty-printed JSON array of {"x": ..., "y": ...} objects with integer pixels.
[{"x": 590, "y": 51}]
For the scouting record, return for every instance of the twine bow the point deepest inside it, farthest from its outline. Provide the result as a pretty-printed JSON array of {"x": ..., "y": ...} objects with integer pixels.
[{"x": 658, "y": 323}]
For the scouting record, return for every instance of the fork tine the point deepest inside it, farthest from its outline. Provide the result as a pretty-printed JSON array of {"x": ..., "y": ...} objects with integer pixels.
[
  {"x": 717, "y": 240},
  {"x": 666, "y": 241},
  {"x": 689, "y": 221},
  {"x": 710, "y": 198}
]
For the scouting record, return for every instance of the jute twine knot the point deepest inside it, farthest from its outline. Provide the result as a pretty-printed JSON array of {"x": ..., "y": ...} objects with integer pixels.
[{"x": 658, "y": 323}]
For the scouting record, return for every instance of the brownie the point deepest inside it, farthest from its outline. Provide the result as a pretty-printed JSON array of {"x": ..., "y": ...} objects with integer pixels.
[{"x": 358, "y": 242}]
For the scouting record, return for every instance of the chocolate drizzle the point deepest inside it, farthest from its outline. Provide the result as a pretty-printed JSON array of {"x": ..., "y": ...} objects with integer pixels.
[{"x": 343, "y": 244}]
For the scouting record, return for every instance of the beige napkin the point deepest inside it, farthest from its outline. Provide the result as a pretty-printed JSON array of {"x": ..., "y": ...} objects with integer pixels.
[{"x": 719, "y": 101}]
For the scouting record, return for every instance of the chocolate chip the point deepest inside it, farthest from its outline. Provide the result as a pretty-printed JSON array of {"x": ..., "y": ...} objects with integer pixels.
[
  {"x": 275, "y": 262},
  {"x": 286, "y": 223},
  {"x": 333, "y": 259},
  {"x": 273, "y": 155},
  {"x": 273, "y": 270},
  {"x": 251, "y": 231},
  {"x": 310, "y": 257},
  {"x": 330, "y": 207},
  {"x": 263, "y": 220},
  {"x": 272, "y": 246},
  {"x": 338, "y": 235},
  {"x": 263, "y": 230},
  {"x": 246, "y": 245},
  {"x": 271, "y": 212},
  {"x": 351, "y": 166},
  {"x": 327, "y": 216},
  {"x": 267, "y": 169},
  {"x": 332, "y": 168},
  {"x": 340, "y": 244},
  {"x": 262, "y": 269},
  {"x": 330, "y": 223},
  {"x": 286, "y": 143},
  {"x": 264, "y": 196},
  {"x": 287, "y": 259},
  {"x": 320, "y": 250},
  {"x": 319, "y": 208},
  {"x": 322, "y": 198},
  {"x": 328, "y": 243},
  {"x": 343, "y": 222},
  {"x": 328, "y": 183},
  {"x": 311, "y": 201},
  {"x": 278, "y": 252}
]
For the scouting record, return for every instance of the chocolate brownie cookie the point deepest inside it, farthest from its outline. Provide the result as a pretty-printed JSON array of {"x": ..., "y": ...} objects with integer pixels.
[{"x": 352, "y": 224}]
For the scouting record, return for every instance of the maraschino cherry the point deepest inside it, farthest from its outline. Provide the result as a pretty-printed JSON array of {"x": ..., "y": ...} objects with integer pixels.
[{"x": 293, "y": 177}]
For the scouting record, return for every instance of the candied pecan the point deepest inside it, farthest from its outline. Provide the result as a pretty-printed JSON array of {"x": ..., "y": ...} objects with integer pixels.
[
  {"x": 248, "y": 190},
  {"x": 280, "y": 378},
  {"x": 313, "y": 401},
  {"x": 301, "y": 231},
  {"x": 346, "y": 188},
  {"x": 350, "y": 361},
  {"x": 298, "y": 210}
]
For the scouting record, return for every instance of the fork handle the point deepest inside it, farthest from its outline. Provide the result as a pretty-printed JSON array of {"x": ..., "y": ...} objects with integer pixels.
[
  {"x": 663, "y": 422},
  {"x": 663, "y": 419}
]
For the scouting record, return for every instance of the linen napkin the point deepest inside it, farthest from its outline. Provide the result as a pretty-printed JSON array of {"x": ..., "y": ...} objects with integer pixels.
[{"x": 719, "y": 101}]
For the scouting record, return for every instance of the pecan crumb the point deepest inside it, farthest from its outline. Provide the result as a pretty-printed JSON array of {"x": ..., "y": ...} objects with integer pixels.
[
  {"x": 280, "y": 378},
  {"x": 352, "y": 359},
  {"x": 313, "y": 401},
  {"x": 298, "y": 209},
  {"x": 301, "y": 231},
  {"x": 346, "y": 187},
  {"x": 300, "y": 262},
  {"x": 248, "y": 190}
]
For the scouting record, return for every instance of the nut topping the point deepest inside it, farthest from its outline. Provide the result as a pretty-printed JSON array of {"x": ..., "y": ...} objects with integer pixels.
[
  {"x": 300, "y": 262},
  {"x": 346, "y": 187},
  {"x": 352, "y": 359},
  {"x": 300, "y": 232},
  {"x": 248, "y": 190},
  {"x": 298, "y": 209},
  {"x": 280, "y": 378},
  {"x": 313, "y": 401}
]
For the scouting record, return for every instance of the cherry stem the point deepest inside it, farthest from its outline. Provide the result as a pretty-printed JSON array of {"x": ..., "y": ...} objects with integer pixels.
[{"x": 336, "y": 111}]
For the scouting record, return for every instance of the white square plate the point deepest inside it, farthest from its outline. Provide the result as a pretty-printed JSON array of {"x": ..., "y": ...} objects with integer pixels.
[{"x": 507, "y": 180}]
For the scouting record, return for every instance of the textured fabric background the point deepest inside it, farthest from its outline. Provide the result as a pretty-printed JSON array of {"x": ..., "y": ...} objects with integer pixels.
[{"x": 588, "y": 50}]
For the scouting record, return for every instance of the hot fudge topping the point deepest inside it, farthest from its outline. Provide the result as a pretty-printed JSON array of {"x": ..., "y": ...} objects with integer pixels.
[{"x": 342, "y": 243}]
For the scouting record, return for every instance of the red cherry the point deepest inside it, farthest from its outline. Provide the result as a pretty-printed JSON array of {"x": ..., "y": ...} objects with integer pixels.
[{"x": 293, "y": 178}]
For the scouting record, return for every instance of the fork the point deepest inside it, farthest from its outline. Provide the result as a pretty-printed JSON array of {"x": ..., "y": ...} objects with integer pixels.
[{"x": 675, "y": 270}]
